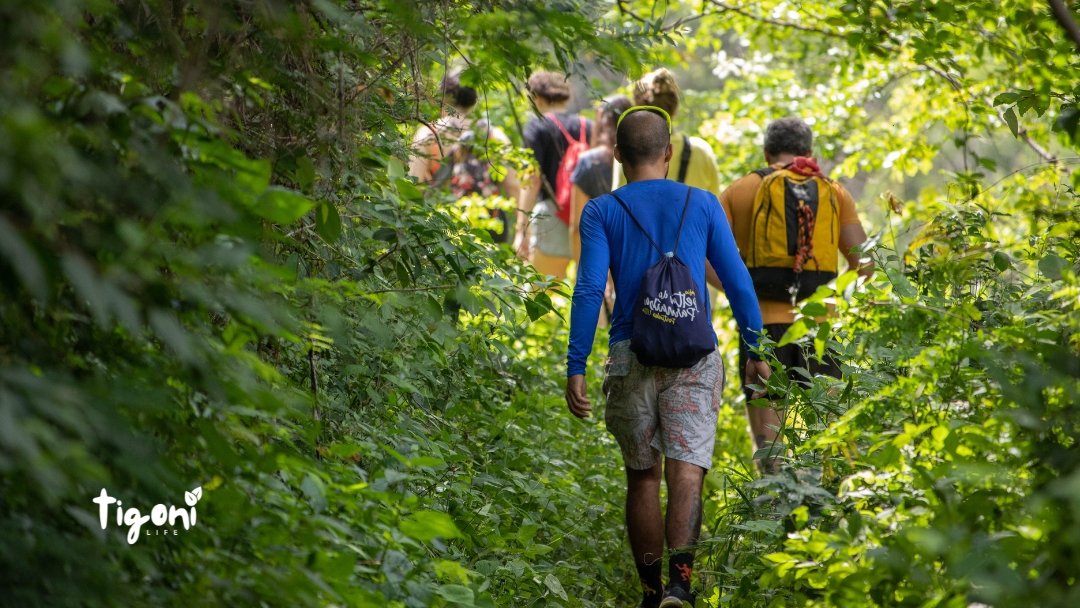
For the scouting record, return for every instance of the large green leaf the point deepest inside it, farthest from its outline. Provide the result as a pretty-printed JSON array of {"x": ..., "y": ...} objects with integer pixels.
[
  {"x": 429, "y": 525},
  {"x": 328, "y": 222},
  {"x": 282, "y": 206},
  {"x": 459, "y": 595}
]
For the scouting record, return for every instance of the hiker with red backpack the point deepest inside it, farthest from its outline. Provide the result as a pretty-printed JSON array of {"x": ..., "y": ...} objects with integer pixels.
[
  {"x": 663, "y": 378},
  {"x": 791, "y": 224},
  {"x": 592, "y": 175},
  {"x": 557, "y": 139}
]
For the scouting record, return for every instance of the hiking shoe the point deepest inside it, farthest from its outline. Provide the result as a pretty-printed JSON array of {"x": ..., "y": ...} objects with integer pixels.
[{"x": 677, "y": 597}]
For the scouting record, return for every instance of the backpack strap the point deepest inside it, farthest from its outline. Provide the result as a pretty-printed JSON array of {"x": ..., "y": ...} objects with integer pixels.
[
  {"x": 566, "y": 134},
  {"x": 637, "y": 223},
  {"x": 765, "y": 172},
  {"x": 682, "y": 220},
  {"x": 547, "y": 187},
  {"x": 684, "y": 159},
  {"x": 583, "y": 131},
  {"x": 678, "y": 235}
]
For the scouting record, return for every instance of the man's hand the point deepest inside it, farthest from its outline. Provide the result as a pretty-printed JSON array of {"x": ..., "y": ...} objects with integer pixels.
[
  {"x": 576, "y": 398},
  {"x": 757, "y": 372}
]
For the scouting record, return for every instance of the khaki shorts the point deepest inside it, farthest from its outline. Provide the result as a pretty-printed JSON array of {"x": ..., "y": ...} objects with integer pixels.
[
  {"x": 656, "y": 410},
  {"x": 550, "y": 235}
]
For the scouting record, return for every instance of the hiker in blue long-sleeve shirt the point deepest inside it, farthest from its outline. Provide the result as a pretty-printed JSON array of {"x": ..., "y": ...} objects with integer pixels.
[{"x": 654, "y": 411}]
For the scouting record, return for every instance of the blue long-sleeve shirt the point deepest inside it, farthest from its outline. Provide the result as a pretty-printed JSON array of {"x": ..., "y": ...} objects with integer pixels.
[{"x": 611, "y": 240}]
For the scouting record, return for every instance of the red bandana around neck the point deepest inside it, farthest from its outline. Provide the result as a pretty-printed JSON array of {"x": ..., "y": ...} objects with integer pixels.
[{"x": 805, "y": 165}]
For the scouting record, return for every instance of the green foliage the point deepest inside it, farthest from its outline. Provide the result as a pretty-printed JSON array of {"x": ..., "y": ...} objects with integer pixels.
[
  {"x": 216, "y": 274},
  {"x": 895, "y": 92},
  {"x": 935, "y": 473}
]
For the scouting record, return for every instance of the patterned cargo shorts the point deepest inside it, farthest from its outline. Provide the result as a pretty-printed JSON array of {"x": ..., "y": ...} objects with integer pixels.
[{"x": 654, "y": 410}]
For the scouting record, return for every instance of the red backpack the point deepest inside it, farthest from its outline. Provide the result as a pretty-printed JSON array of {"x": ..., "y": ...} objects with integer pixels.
[{"x": 574, "y": 149}]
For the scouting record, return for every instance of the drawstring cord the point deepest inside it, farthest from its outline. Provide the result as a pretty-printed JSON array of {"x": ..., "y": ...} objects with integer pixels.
[{"x": 804, "y": 251}]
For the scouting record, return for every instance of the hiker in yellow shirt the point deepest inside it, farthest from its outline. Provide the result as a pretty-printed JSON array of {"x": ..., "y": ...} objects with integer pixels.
[
  {"x": 692, "y": 160},
  {"x": 693, "y": 164}
]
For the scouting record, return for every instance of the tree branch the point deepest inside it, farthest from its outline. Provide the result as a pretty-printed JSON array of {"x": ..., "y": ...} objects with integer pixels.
[
  {"x": 681, "y": 21},
  {"x": 1065, "y": 18},
  {"x": 1022, "y": 133},
  {"x": 944, "y": 74},
  {"x": 431, "y": 127},
  {"x": 314, "y": 379},
  {"x": 1034, "y": 145},
  {"x": 725, "y": 7},
  {"x": 412, "y": 289},
  {"x": 625, "y": 11}
]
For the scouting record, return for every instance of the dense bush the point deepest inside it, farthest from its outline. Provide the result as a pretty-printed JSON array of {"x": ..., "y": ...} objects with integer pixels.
[
  {"x": 216, "y": 276},
  {"x": 939, "y": 471}
]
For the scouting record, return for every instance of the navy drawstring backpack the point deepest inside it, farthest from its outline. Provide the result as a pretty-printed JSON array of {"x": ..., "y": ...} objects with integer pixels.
[{"x": 670, "y": 329}]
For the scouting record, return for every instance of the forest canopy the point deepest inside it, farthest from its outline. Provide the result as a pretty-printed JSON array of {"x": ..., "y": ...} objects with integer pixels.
[{"x": 222, "y": 292}]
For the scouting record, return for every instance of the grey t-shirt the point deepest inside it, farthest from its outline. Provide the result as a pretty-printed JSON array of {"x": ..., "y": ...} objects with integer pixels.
[{"x": 593, "y": 172}]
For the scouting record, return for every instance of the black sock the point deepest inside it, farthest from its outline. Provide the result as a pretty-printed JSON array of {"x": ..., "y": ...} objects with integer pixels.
[
  {"x": 649, "y": 575},
  {"x": 681, "y": 569}
]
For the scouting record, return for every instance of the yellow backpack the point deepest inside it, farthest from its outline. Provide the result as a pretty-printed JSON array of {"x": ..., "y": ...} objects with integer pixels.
[{"x": 794, "y": 235}]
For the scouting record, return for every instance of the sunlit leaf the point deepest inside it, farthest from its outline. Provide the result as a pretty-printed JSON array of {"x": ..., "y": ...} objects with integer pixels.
[
  {"x": 429, "y": 525},
  {"x": 283, "y": 206},
  {"x": 1052, "y": 266},
  {"x": 555, "y": 586}
]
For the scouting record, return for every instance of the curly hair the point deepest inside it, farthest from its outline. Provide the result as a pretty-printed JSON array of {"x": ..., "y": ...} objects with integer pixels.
[
  {"x": 788, "y": 136},
  {"x": 658, "y": 88},
  {"x": 606, "y": 117},
  {"x": 551, "y": 86}
]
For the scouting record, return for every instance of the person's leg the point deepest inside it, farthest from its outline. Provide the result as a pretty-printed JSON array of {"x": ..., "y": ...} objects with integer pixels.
[
  {"x": 683, "y": 525},
  {"x": 765, "y": 420},
  {"x": 549, "y": 264},
  {"x": 550, "y": 246},
  {"x": 645, "y": 527},
  {"x": 689, "y": 404},
  {"x": 631, "y": 417}
]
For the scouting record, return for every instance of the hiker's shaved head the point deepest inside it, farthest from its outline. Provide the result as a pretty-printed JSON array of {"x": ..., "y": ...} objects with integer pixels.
[{"x": 642, "y": 138}]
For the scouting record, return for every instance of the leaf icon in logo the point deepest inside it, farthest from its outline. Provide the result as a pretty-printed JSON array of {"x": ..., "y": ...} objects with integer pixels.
[{"x": 193, "y": 496}]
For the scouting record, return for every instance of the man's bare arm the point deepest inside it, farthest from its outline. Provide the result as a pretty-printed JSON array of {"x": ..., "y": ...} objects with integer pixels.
[
  {"x": 527, "y": 194},
  {"x": 851, "y": 237}
]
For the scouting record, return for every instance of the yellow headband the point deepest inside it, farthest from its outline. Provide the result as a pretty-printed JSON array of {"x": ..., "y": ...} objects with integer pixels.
[{"x": 660, "y": 111}]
